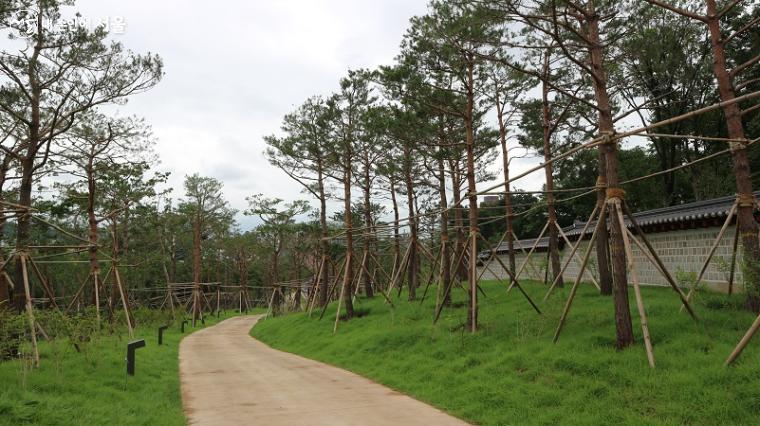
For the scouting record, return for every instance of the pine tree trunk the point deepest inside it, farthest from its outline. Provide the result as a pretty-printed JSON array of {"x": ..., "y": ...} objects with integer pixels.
[
  {"x": 473, "y": 200},
  {"x": 297, "y": 296},
  {"x": 196, "y": 269},
  {"x": 324, "y": 243},
  {"x": 243, "y": 271},
  {"x": 349, "y": 273},
  {"x": 412, "y": 269},
  {"x": 114, "y": 255},
  {"x": 549, "y": 173},
  {"x": 623, "y": 322},
  {"x": 602, "y": 237},
  {"x": 23, "y": 225},
  {"x": 33, "y": 144},
  {"x": 368, "y": 233},
  {"x": 92, "y": 223},
  {"x": 5, "y": 296},
  {"x": 507, "y": 196},
  {"x": 173, "y": 261},
  {"x": 747, "y": 226},
  {"x": 460, "y": 270},
  {"x": 396, "y": 233},
  {"x": 445, "y": 249}
]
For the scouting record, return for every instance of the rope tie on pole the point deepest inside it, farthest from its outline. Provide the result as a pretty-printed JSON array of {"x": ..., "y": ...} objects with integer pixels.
[
  {"x": 615, "y": 194},
  {"x": 747, "y": 200},
  {"x": 608, "y": 138},
  {"x": 738, "y": 146}
]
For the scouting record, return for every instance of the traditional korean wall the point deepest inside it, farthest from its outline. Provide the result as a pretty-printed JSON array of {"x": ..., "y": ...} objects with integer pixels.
[{"x": 682, "y": 252}]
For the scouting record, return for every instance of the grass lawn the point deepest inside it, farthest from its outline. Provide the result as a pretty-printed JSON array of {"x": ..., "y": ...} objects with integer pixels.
[
  {"x": 511, "y": 373},
  {"x": 92, "y": 388}
]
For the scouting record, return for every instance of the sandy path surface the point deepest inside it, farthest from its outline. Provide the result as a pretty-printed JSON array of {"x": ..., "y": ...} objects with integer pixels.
[{"x": 230, "y": 378}]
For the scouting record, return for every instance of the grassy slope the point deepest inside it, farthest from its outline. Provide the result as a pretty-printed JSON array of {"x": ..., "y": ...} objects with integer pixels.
[
  {"x": 510, "y": 372},
  {"x": 89, "y": 387}
]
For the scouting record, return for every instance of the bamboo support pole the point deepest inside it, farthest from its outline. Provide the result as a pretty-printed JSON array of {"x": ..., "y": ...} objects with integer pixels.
[
  {"x": 643, "y": 250},
  {"x": 10, "y": 280},
  {"x": 636, "y": 288},
  {"x": 5, "y": 263},
  {"x": 401, "y": 269},
  {"x": 503, "y": 237},
  {"x": 501, "y": 240},
  {"x": 124, "y": 302},
  {"x": 170, "y": 295},
  {"x": 515, "y": 282},
  {"x": 45, "y": 285},
  {"x": 340, "y": 298},
  {"x": 599, "y": 140},
  {"x": 247, "y": 299},
  {"x": 743, "y": 342},
  {"x": 431, "y": 276},
  {"x": 710, "y": 253},
  {"x": 395, "y": 265},
  {"x": 315, "y": 287},
  {"x": 96, "y": 287},
  {"x": 355, "y": 282},
  {"x": 454, "y": 266},
  {"x": 271, "y": 302},
  {"x": 567, "y": 241},
  {"x": 442, "y": 265},
  {"x": 566, "y": 310},
  {"x": 455, "y": 279},
  {"x": 362, "y": 268},
  {"x": 488, "y": 267},
  {"x": 426, "y": 251},
  {"x": 29, "y": 309},
  {"x": 536, "y": 269},
  {"x": 377, "y": 288},
  {"x": 532, "y": 249},
  {"x": 733, "y": 262},
  {"x": 61, "y": 230},
  {"x": 466, "y": 258},
  {"x": 75, "y": 299},
  {"x": 656, "y": 257},
  {"x": 375, "y": 285},
  {"x": 456, "y": 263},
  {"x": 331, "y": 290},
  {"x": 446, "y": 293},
  {"x": 379, "y": 266},
  {"x": 163, "y": 303},
  {"x": 572, "y": 252}
]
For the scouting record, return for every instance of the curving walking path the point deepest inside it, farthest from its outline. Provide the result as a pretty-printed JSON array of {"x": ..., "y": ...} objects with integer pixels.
[{"x": 228, "y": 377}]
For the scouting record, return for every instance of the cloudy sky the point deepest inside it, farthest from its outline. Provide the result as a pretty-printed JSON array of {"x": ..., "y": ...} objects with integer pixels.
[{"x": 232, "y": 72}]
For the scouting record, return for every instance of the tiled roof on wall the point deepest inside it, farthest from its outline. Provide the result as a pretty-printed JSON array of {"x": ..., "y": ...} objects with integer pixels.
[{"x": 707, "y": 209}]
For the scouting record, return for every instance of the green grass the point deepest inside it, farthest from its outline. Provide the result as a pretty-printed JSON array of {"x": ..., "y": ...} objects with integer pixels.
[
  {"x": 91, "y": 387},
  {"x": 511, "y": 373}
]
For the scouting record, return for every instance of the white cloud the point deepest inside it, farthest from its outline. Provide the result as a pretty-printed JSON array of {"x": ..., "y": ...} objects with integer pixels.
[{"x": 233, "y": 72}]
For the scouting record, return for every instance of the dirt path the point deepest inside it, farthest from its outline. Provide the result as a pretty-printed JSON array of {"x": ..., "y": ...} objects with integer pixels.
[{"x": 230, "y": 378}]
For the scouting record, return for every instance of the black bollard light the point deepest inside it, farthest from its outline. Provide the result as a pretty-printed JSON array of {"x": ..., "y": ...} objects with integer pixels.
[
  {"x": 161, "y": 334},
  {"x": 182, "y": 327},
  {"x": 131, "y": 348}
]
